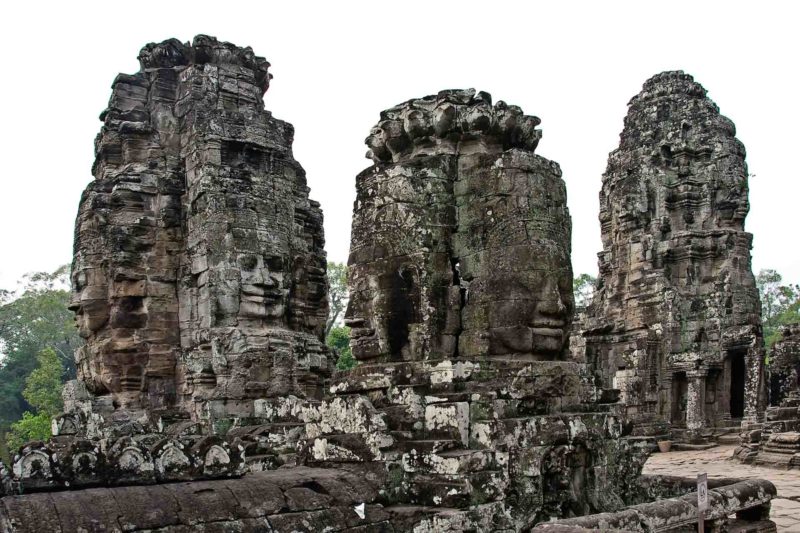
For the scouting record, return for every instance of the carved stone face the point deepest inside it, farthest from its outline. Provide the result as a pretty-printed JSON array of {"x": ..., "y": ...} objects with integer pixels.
[
  {"x": 89, "y": 300},
  {"x": 551, "y": 314},
  {"x": 531, "y": 312},
  {"x": 262, "y": 291}
]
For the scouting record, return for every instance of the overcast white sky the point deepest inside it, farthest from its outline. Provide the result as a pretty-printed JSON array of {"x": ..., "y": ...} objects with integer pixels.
[{"x": 338, "y": 64}]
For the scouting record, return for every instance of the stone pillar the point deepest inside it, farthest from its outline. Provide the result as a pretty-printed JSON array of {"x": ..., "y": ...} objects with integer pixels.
[
  {"x": 665, "y": 397},
  {"x": 754, "y": 385},
  {"x": 696, "y": 404}
]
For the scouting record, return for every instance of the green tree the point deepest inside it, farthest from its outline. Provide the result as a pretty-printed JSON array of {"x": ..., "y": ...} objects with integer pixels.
[
  {"x": 339, "y": 340},
  {"x": 780, "y": 303},
  {"x": 768, "y": 282},
  {"x": 43, "y": 394},
  {"x": 583, "y": 289},
  {"x": 43, "y": 386},
  {"x": 34, "y": 318},
  {"x": 337, "y": 293},
  {"x": 29, "y": 428}
]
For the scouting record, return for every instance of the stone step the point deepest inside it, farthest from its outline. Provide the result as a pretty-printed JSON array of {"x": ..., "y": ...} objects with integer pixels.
[
  {"x": 458, "y": 491},
  {"x": 262, "y": 463},
  {"x": 454, "y": 462},
  {"x": 264, "y": 430},
  {"x": 781, "y": 413},
  {"x": 778, "y": 460},
  {"x": 728, "y": 438},
  {"x": 426, "y": 445},
  {"x": 685, "y": 446}
]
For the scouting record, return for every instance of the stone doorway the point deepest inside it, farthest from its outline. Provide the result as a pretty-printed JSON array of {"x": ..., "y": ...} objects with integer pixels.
[
  {"x": 738, "y": 373},
  {"x": 680, "y": 390}
]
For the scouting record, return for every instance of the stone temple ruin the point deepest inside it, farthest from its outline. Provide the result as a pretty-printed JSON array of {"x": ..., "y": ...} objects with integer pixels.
[
  {"x": 675, "y": 323},
  {"x": 206, "y": 399},
  {"x": 776, "y": 441}
]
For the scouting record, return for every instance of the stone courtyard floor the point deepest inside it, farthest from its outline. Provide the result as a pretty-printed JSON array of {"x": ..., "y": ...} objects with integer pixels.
[{"x": 717, "y": 462}]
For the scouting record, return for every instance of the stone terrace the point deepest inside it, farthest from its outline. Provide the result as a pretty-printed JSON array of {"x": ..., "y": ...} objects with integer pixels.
[{"x": 717, "y": 463}]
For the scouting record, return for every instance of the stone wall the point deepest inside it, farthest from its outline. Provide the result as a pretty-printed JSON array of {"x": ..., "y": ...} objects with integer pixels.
[
  {"x": 775, "y": 441},
  {"x": 675, "y": 322},
  {"x": 461, "y": 304},
  {"x": 784, "y": 365}
]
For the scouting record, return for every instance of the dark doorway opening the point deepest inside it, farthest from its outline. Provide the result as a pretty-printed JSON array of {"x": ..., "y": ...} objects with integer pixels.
[
  {"x": 680, "y": 391},
  {"x": 737, "y": 383},
  {"x": 401, "y": 311}
]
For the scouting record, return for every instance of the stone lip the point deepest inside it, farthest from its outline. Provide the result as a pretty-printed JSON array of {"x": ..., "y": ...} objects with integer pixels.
[
  {"x": 68, "y": 463},
  {"x": 443, "y": 123},
  {"x": 203, "y": 50}
]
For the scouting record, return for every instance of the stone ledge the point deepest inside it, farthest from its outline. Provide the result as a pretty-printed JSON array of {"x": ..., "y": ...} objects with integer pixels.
[
  {"x": 748, "y": 499},
  {"x": 300, "y": 499}
]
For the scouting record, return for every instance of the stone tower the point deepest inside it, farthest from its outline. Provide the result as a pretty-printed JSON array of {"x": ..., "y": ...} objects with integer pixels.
[
  {"x": 461, "y": 236},
  {"x": 461, "y": 300},
  {"x": 199, "y": 271},
  {"x": 675, "y": 322}
]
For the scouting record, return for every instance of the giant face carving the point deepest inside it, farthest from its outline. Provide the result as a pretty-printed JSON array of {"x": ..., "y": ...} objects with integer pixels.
[
  {"x": 262, "y": 291},
  {"x": 89, "y": 300},
  {"x": 482, "y": 220},
  {"x": 532, "y": 313}
]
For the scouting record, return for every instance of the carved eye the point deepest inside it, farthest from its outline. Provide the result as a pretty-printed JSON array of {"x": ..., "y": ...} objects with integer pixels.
[
  {"x": 275, "y": 263},
  {"x": 79, "y": 281},
  {"x": 248, "y": 262}
]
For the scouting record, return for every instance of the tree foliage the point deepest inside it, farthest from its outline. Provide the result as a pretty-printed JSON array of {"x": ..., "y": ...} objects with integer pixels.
[
  {"x": 43, "y": 386},
  {"x": 35, "y": 319},
  {"x": 337, "y": 293},
  {"x": 43, "y": 393},
  {"x": 583, "y": 289},
  {"x": 780, "y": 303},
  {"x": 339, "y": 340},
  {"x": 31, "y": 427}
]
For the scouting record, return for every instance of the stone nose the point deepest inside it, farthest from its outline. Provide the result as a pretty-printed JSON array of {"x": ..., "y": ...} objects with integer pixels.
[
  {"x": 551, "y": 304},
  {"x": 74, "y": 304}
]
